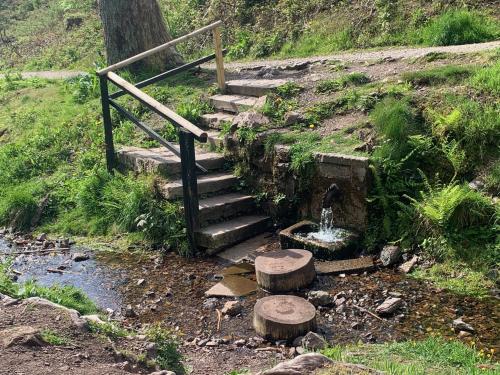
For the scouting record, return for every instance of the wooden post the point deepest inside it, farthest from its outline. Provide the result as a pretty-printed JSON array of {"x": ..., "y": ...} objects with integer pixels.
[
  {"x": 219, "y": 59},
  {"x": 108, "y": 125},
  {"x": 189, "y": 187}
]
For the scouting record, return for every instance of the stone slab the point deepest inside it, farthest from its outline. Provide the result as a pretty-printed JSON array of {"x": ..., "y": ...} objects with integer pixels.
[
  {"x": 239, "y": 269},
  {"x": 247, "y": 250},
  {"x": 232, "y": 286},
  {"x": 233, "y": 103},
  {"x": 210, "y": 183},
  {"x": 215, "y": 120},
  {"x": 345, "y": 266},
  {"x": 254, "y": 87}
]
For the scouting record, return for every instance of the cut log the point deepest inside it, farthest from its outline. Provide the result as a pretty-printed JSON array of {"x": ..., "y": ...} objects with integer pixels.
[
  {"x": 285, "y": 270},
  {"x": 283, "y": 317}
]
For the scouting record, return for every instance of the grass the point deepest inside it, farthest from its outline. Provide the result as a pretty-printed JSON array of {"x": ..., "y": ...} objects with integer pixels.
[
  {"x": 332, "y": 85},
  {"x": 459, "y": 26},
  {"x": 450, "y": 74},
  {"x": 53, "y": 338},
  {"x": 168, "y": 356},
  {"x": 67, "y": 296},
  {"x": 108, "y": 329},
  {"x": 487, "y": 80},
  {"x": 433, "y": 355},
  {"x": 458, "y": 278}
]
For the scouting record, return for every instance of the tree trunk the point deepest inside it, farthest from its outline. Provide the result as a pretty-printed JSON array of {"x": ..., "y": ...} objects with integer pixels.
[{"x": 135, "y": 26}]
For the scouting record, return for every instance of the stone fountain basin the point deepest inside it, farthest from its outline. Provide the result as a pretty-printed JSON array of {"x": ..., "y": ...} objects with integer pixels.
[{"x": 294, "y": 238}]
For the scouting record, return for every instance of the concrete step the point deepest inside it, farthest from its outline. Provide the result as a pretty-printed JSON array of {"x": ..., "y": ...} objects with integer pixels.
[
  {"x": 163, "y": 162},
  {"x": 222, "y": 207},
  {"x": 233, "y": 103},
  {"x": 218, "y": 236},
  {"x": 216, "y": 120},
  {"x": 254, "y": 87},
  {"x": 215, "y": 139},
  {"x": 207, "y": 184}
]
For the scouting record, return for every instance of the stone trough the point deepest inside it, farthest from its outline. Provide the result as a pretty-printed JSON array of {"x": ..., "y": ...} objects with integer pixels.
[{"x": 295, "y": 237}]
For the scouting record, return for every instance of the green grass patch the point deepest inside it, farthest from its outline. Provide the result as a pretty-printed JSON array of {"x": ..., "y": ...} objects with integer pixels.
[
  {"x": 450, "y": 74},
  {"x": 108, "y": 329},
  {"x": 347, "y": 80},
  {"x": 433, "y": 355},
  {"x": 487, "y": 80},
  {"x": 458, "y": 278},
  {"x": 53, "y": 338},
  {"x": 459, "y": 26}
]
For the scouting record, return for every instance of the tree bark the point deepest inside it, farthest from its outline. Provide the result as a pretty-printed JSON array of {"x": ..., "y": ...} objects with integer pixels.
[{"x": 135, "y": 26}]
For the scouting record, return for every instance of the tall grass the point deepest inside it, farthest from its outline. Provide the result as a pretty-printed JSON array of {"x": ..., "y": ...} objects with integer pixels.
[{"x": 459, "y": 26}]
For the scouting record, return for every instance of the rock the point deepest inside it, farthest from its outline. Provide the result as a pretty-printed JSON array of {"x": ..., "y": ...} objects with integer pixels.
[
  {"x": 313, "y": 341},
  {"x": 339, "y": 301},
  {"x": 292, "y": 118},
  {"x": 477, "y": 184},
  {"x": 202, "y": 342},
  {"x": 408, "y": 266},
  {"x": 268, "y": 72},
  {"x": 74, "y": 315},
  {"x": 140, "y": 282},
  {"x": 93, "y": 319},
  {"x": 212, "y": 343},
  {"x": 303, "y": 364},
  {"x": 21, "y": 335},
  {"x": 250, "y": 119},
  {"x": 300, "y": 350},
  {"x": 210, "y": 303},
  {"x": 80, "y": 257},
  {"x": 464, "y": 334},
  {"x": 72, "y": 22},
  {"x": 129, "y": 312},
  {"x": 298, "y": 341},
  {"x": 320, "y": 298},
  {"x": 390, "y": 255},
  {"x": 42, "y": 237},
  {"x": 240, "y": 342},
  {"x": 162, "y": 372},
  {"x": 389, "y": 306},
  {"x": 151, "y": 351},
  {"x": 232, "y": 308},
  {"x": 460, "y": 325}
]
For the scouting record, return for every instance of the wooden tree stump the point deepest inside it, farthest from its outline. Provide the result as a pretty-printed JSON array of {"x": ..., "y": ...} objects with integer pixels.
[
  {"x": 283, "y": 317},
  {"x": 285, "y": 270}
]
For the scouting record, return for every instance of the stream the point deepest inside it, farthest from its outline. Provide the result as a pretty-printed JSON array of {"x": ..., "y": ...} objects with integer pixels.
[{"x": 171, "y": 289}]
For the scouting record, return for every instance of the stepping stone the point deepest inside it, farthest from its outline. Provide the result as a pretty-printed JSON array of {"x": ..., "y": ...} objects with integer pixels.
[
  {"x": 232, "y": 286},
  {"x": 345, "y": 266},
  {"x": 239, "y": 269},
  {"x": 285, "y": 270},
  {"x": 233, "y": 103},
  {"x": 283, "y": 317},
  {"x": 253, "y": 87}
]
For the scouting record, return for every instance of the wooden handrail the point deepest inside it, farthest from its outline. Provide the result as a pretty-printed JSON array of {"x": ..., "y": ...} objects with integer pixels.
[
  {"x": 156, "y": 106},
  {"x": 160, "y": 48}
]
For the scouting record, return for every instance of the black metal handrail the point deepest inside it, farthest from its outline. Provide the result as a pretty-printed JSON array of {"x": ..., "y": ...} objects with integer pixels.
[{"x": 187, "y": 131}]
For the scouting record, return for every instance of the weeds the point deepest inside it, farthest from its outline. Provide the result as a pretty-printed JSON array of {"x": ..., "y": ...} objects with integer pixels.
[
  {"x": 52, "y": 338},
  {"x": 447, "y": 74},
  {"x": 168, "y": 356},
  {"x": 487, "y": 80},
  {"x": 108, "y": 329}
]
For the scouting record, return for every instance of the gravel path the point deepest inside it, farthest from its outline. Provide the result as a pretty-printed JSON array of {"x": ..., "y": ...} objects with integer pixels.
[
  {"x": 397, "y": 53},
  {"x": 58, "y": 74}
]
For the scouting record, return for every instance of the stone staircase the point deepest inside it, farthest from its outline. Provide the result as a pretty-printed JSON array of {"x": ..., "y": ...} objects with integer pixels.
[{"x": 227, "y": 216}]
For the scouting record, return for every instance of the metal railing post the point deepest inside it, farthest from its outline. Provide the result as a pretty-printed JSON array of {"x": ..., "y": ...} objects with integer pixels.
[
  {"x": 219, "y": 59},
  {"x": 108, "y": 125},
  {"x": 189, "y": 187}
]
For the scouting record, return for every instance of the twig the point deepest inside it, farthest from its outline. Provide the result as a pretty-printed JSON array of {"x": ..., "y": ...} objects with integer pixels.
[
  {"x": 268, "y": 349},
  {"x": 219, "y": 319},
  {"x": 368, "y": 312}
]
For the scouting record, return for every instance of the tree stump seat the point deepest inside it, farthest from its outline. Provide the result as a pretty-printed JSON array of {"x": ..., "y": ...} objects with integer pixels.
[
  {"x": 285, "y": 270},
  {"x": 283, "y": 317}
]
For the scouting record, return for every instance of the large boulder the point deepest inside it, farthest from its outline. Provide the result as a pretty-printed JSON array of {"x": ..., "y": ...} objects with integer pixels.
[
  {"x": 313, "y": 341},
  {"x": 250, "y": 119},
  {"x": 390, "y": 255},
  {"x": 21, "y": 335}
]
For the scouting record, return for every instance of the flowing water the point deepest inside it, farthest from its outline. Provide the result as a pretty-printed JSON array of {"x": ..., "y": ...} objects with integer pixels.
[{"x": 327, "y": 231}]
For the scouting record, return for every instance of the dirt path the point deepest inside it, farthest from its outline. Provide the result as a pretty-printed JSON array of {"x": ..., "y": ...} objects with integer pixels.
[
  {"x": 396, "y": 53},
  {"x": 59, "y": 74}
]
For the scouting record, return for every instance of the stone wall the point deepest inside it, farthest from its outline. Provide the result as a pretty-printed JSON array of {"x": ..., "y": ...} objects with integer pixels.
[{"x": 270, "y": 172}]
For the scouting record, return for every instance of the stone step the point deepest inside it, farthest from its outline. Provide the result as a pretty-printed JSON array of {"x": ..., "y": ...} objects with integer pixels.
[
  {"x": 253, "y": 87},
  {"x": 207, "y": 184},
  {"x": 218, "y": 236},
  {"x": 216, "y": 120},
  {"x": 163, "y": 162},
  {"x": 225, "y": 206},
  {"x": 233, "y": 103},
  {"x": 215, "y": 139}
]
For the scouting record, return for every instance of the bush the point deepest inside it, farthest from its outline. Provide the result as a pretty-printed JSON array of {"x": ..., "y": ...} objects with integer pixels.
[{"x": 459, "y": 27}]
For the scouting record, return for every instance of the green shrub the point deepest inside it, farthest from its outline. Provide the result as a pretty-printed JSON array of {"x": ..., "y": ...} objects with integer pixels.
[
  {"x": 53, "y": 338},
  {"x": 492, "y": 178},
  {"x": 84, "y": 87},
  {"x": 444, "y": 74},
  {"x": 459, "y": 26},
  {"x": 193, "y": 110},
  {"x": 487, "y": 79}
]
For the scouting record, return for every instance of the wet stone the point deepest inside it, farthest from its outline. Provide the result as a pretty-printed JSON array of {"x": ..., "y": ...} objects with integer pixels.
[
  {"x": 460, "y": 325},
  {"x": 232, "y": 286},
  {"x": 232, "y": 308},
  {"x": 80, "y": 257},
  {"x": 389, "y": 306},
  {"x": 319, "y": 298}
]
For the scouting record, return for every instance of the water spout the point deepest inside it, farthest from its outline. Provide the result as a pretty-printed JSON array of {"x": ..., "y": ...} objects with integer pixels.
[{"x": 333, "y": 192}]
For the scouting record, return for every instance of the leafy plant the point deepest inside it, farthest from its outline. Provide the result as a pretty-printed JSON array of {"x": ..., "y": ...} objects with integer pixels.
[
  {"x": 53, "y": 338},
  {"x": 168, "y": 356}
]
